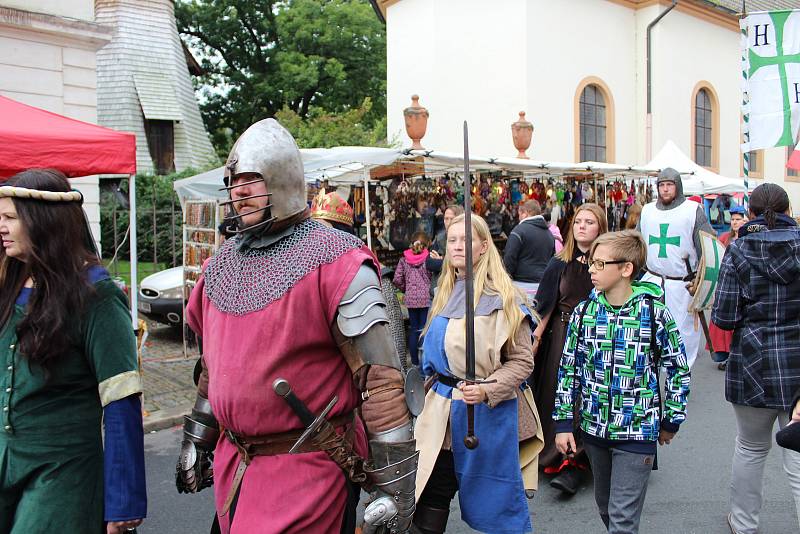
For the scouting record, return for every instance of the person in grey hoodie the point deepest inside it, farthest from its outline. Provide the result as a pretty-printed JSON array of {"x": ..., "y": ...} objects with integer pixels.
[{"x": 758, "y": 297}]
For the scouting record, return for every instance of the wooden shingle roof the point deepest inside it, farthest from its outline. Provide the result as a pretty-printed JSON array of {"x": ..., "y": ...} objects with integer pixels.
[{"x": 735, "y": 6}]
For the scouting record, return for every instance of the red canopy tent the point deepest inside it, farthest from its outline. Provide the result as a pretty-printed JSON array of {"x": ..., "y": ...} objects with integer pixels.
[{"x": 31, "y": 137}]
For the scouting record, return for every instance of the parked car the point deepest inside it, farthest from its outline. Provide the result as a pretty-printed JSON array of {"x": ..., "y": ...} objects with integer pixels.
[{"x": 161, "y": 297}]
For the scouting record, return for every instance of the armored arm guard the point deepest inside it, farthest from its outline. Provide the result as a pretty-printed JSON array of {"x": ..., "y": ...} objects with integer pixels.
[
  {"x": 390, "y": 400},
  {"x": 200, "y": 434}
]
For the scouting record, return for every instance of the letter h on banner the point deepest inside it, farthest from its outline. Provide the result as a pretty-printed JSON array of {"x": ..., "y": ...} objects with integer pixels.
[{"x": 761, "y": 34}]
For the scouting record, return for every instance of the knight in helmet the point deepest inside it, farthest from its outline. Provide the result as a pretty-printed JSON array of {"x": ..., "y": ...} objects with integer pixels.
[{"x": 295, "y": 338}]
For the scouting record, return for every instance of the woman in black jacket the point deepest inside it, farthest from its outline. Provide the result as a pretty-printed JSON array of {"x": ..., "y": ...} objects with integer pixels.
[
  {"x": 758, "y": 297},
  {"x": 565, "y": 283}
]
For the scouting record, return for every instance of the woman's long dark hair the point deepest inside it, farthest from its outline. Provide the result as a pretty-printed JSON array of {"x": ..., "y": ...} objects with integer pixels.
[
  {"x": 57, "y": 260},
  {"x": 768, "y": 200}
]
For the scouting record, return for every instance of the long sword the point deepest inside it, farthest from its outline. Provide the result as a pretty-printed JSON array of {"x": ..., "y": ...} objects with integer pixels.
[{"x": 470, "y": 440}]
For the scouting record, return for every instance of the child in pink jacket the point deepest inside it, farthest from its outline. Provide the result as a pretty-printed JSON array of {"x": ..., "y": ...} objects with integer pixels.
[{"x": 412, "y": 278}]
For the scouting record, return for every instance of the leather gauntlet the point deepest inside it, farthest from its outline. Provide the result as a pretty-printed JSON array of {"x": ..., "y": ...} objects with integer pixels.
[{"x": 201, "y": 432}]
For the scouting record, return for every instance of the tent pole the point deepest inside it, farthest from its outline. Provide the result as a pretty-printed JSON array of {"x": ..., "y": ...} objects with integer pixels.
[
  {"x": 134, "y": 290},
  {"x": 366, "y": 208}
]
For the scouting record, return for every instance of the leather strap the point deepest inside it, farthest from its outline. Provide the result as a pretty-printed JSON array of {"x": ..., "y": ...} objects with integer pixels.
[
  {"x": 273, "y": 445},
  {"x": 366, "y": 394}
]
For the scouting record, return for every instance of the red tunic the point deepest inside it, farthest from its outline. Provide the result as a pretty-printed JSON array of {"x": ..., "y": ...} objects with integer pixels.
[{"x": 290, "y": 338}]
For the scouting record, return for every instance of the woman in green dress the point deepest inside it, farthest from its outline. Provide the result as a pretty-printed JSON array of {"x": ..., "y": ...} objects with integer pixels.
[{"x": 68, "y": 368}]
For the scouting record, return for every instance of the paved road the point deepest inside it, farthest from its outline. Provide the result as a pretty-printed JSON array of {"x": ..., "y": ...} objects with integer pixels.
[
  {"x": 688, "y": 494},
  {"x": 167, "y": 374}
]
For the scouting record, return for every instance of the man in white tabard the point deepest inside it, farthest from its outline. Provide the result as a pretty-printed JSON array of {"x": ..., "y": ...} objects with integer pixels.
[{"x": 671, "y": 228}]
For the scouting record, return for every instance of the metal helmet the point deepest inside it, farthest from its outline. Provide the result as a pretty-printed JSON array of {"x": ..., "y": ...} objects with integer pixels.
[{"x": 269, "y": 150}]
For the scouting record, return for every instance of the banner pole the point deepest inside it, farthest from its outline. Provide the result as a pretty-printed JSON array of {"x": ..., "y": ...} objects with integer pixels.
[{"x": 745, "y": 114}]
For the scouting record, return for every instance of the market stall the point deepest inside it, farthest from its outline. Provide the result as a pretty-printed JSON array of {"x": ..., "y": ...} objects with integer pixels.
[{"x": 395, "y": 192}]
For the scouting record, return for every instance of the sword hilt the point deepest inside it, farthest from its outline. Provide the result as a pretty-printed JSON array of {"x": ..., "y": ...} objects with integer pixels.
[{"x": 283, "y": 389}]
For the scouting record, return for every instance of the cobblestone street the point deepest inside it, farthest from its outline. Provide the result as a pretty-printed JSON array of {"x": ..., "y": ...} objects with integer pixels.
[{"x": 169, "y": 390}]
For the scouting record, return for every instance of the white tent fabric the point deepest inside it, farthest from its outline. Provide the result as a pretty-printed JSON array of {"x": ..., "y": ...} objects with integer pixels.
[
  {"x": 202, "y": 186},
  {"x": 340, "y": 165},
  {"x": 348, "y": 165},
  {"x": 697, "y": 180}
]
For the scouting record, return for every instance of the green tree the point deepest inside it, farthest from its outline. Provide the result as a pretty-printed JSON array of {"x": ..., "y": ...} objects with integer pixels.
[
  {"x": 324, "y": 130},
  {"x": 263, "y": 56}
]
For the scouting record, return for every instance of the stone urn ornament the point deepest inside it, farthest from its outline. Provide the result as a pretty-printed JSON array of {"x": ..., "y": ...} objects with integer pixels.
[
  {"x": 416, "y": 118},
  {"x": 521, "y": 133}
]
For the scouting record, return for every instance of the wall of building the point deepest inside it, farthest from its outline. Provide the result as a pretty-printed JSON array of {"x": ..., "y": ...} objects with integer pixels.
[
  {"x": 567, "y": 43},
  {"x": 48, "y": 62},
  {"x": 461, "y": 72},
  {"x": 75, "y": 9},
  {"x": 484, "y": 65}
]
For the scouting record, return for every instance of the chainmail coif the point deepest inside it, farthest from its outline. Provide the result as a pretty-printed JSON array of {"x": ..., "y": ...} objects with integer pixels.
[{"x": 243, "y": 281}]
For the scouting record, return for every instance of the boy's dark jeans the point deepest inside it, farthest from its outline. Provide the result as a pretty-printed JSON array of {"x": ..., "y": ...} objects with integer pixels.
[{"x": 620, "y": 485}]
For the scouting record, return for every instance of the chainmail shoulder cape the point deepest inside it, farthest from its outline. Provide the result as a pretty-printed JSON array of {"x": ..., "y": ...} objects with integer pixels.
[{"x": 240, "y": 281}]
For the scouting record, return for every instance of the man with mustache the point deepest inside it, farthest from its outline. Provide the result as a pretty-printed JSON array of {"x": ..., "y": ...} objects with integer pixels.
[{"x": 291, "y": 298}]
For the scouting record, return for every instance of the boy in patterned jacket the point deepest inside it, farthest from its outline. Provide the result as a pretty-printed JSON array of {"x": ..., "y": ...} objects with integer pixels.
[{"x": 616, "y": 343}]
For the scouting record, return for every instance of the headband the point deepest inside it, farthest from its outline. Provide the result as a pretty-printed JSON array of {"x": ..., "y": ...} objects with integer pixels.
[{"x": 36, "y": 194}]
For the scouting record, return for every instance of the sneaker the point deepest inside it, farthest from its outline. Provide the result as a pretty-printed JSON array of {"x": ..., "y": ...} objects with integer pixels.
[
  {"x": 568, "y": 480},
  {"x": 730, "y": 525}
]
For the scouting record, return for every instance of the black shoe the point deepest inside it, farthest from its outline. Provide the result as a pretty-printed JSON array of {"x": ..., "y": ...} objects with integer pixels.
[{"x": 568, "y": 480}]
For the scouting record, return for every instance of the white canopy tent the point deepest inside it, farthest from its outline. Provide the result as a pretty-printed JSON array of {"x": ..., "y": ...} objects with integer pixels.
[
  {"x": 340, "y": 165},
  {"x": 697, "y": 180},
  {"x": 351, "y": 165}
]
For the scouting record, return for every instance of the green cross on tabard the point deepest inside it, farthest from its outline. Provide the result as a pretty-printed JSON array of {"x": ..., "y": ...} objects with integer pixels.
[
  {"x": 711, "y": 275},
  {"x": 663, "y": 240},
  {"x": 756, "y": 62}
]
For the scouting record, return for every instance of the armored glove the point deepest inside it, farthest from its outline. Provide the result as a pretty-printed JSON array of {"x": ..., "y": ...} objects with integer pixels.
[
  {"x": 392, "y": 507},
  {"x": 200, "y": 434}
]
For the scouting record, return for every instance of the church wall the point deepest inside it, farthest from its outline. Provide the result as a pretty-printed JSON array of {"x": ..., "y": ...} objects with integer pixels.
[
  {"x": 76, "y": 9},
  {"x": 687, "y": 52},
  {"x": 461, "y": 71},
  {"x": 519, "y": 56},
  {"x": 506, "y": 65},
  {"x": 568, "y": 42}
]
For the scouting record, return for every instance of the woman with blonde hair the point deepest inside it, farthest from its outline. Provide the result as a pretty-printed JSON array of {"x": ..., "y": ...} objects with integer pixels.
[
  {"x": 493, "y": 478},
  {"x": 565, "y": 283}
]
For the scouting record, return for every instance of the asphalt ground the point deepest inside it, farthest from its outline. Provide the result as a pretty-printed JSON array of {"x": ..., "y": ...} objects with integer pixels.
[{"x": 688, "y": 494}]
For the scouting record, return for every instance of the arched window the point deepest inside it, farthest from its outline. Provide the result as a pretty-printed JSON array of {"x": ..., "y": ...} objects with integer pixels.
[
  {"x": 704, "y": 128},
  {"x": 593, "y": 125}
]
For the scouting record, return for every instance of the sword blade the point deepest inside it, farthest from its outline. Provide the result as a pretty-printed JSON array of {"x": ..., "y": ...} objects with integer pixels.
[
  {"x": 470, "y": 440},
  {"x": 468, "y": 278}
]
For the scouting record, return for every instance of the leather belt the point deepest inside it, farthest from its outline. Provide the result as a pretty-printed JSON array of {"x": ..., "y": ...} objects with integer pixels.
[
  {"x": 273, "y": 445},
  {"x": 688, "y": 278},
  {"x": 448, "y": 380},
  {"x": 565, "y": 317}
]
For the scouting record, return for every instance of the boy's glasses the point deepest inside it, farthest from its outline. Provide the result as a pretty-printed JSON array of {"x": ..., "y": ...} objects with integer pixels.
[{"x": 599, "y": 265}]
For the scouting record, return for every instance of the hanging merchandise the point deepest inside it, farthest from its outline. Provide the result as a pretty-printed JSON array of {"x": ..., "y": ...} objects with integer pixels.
[
  {"x": 586, "y": 192},
  {"x": 359, "y": 209}
]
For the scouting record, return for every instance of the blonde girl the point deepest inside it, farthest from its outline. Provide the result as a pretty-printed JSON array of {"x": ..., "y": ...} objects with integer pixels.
[{"x": 491, "y": 482}]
